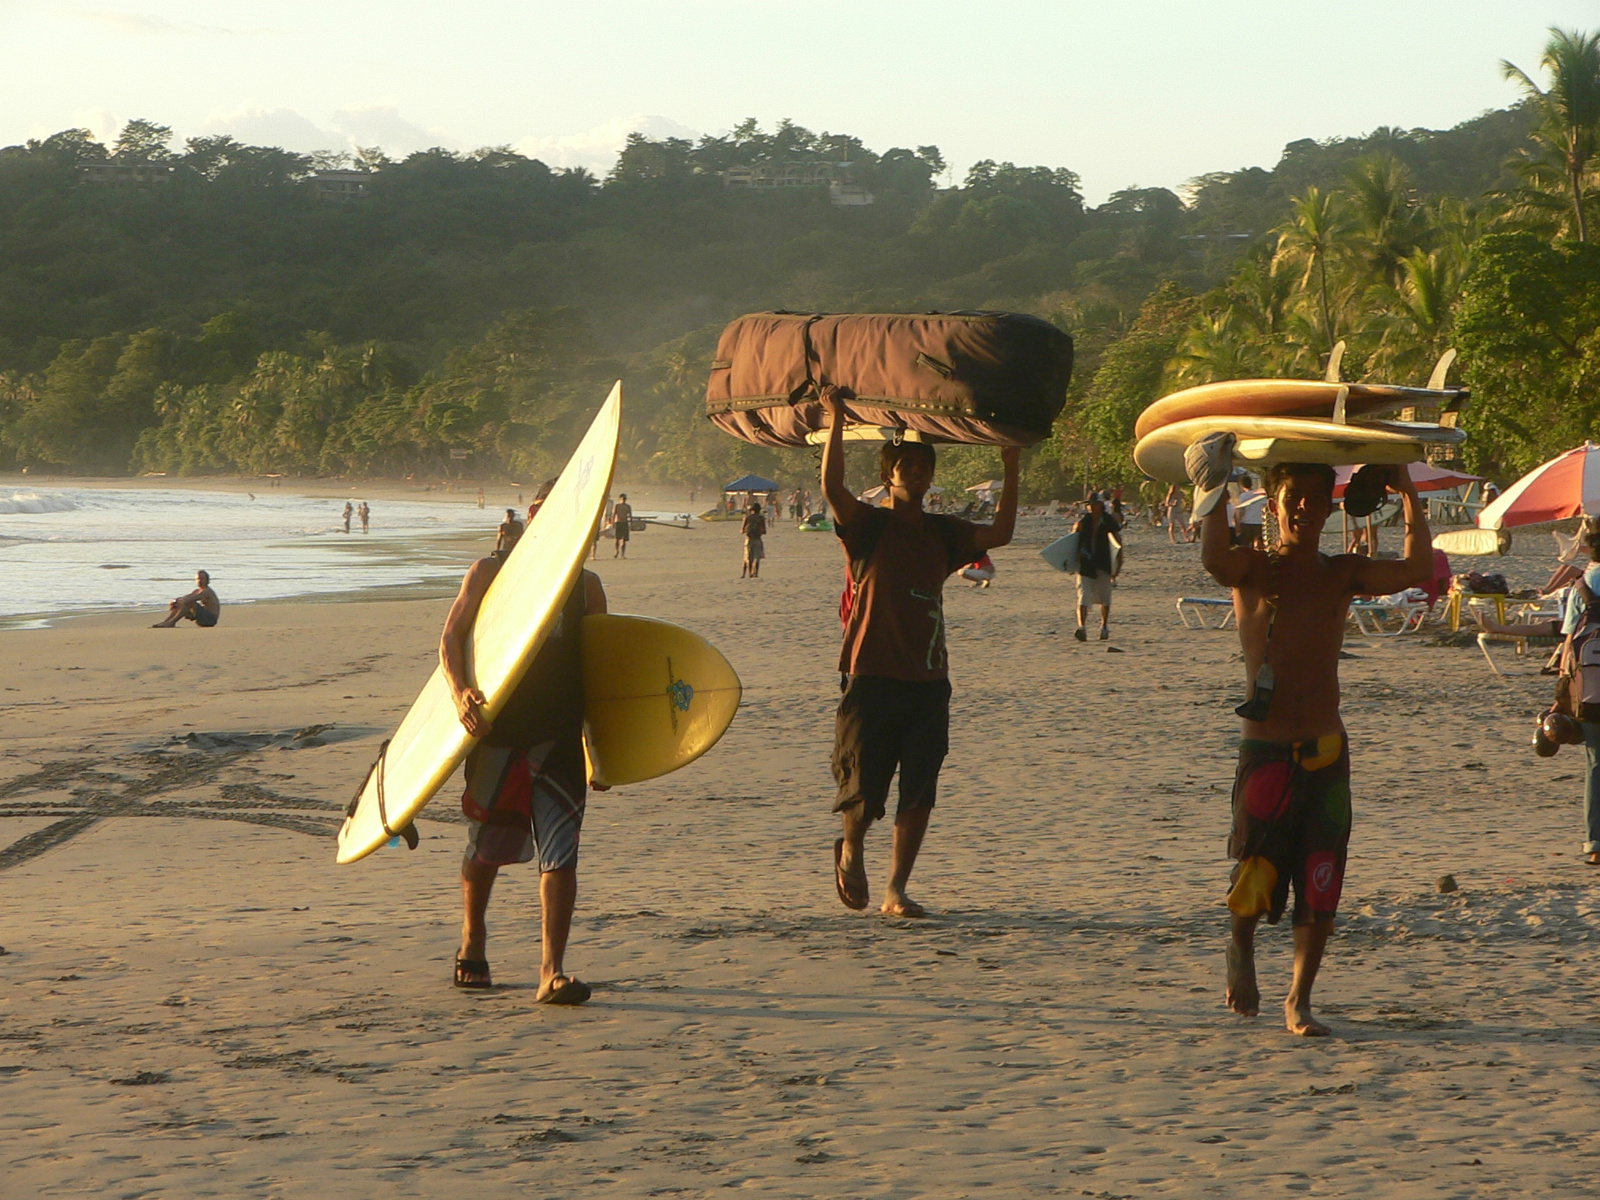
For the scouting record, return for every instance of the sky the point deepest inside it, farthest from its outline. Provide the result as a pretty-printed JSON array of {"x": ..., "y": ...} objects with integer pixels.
[{"x": 1126, "y": 93}]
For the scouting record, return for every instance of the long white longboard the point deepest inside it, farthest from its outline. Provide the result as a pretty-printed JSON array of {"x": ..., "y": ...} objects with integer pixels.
[{"x": 518, "y": 610}]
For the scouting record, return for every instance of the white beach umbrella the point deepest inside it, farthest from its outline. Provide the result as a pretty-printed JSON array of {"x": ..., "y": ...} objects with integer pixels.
[{"x": 1566, "y": 486}]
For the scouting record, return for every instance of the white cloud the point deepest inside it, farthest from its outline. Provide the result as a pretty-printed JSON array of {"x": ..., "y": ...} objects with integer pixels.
[
  {"x": 275, "y": 127},
  {"x": 382, "y": 125},
  {"x": 597, "y": 149}
]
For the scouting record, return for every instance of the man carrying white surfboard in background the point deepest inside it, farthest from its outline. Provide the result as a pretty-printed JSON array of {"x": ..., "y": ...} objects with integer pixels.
[
  {"x": 526, "y": 779},
  {"x": 895, "y": 710},
  {"x": 1291, "y": 795}
]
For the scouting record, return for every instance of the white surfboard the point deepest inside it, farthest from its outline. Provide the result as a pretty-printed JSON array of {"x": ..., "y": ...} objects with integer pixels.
[
  {"x": 517, "y": 611},
  {"x": 1264, "y": 441},
  {"x": 1062, "y": 554}
]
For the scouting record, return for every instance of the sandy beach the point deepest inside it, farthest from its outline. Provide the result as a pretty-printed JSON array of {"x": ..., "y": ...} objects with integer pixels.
[{"x": 194, "y": 1001}]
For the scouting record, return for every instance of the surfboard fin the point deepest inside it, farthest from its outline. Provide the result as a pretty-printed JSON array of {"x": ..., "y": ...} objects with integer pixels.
[
  {"x": 1335, "y": 358},
  {"x": 1340, "y": 416},
  {"x": 1440, "y": 370}
]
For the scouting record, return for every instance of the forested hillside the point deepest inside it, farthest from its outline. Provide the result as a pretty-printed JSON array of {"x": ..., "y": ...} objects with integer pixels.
[{"x": 213, "y": 311}]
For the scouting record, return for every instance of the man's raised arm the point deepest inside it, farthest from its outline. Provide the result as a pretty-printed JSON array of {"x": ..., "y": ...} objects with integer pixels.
[
  {"x": 988, "y": 537},
  {"x": 846, "y": 508},
  {"x": 1375, "y": 578}
]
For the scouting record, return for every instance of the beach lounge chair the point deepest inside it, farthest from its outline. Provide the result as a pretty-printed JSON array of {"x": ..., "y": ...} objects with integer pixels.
[
  {"x": 1552, "y": 607},
  {"x": 1390, "y": 616},
  {"x": 1192, "y": 611}
]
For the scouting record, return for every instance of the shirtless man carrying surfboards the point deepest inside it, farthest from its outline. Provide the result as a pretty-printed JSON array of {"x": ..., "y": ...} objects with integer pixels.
[{"x": 1291, "y": 796}]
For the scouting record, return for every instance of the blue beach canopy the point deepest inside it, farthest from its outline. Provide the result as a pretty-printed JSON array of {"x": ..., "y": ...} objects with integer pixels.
[{"x": 751, "y": 483}]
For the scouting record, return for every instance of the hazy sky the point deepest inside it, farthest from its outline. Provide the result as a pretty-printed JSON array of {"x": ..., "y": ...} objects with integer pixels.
[{"x": 1147, "y": 92}]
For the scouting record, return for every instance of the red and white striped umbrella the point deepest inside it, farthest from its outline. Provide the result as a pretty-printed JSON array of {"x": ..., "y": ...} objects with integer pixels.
[
  {"x": 1566, "y": 486},
  {"x": 1427, "y": 479}
]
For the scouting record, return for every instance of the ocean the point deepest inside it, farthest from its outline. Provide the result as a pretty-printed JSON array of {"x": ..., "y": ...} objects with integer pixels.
[{"x": 69, "y": 550}]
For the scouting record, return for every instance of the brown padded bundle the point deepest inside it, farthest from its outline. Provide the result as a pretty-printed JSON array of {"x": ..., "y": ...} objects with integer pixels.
[{"x": 976, "y": 378}]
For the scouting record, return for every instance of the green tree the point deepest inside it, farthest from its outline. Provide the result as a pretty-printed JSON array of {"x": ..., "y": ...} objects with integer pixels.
[
  {"x": 1569, "y": 109},
  {"x": 1528, "y": 329},
  {"x": 143, "y": 141},
  {"x": 1132, "y": 376}
]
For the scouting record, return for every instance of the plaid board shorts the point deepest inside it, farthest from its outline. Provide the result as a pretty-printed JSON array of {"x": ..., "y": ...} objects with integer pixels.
[{"x": 521, "y": 803}]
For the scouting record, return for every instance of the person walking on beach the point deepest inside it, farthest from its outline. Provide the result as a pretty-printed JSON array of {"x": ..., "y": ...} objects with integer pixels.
[
  {"x": 526, "y": 777},
  {"x": 1291, "y": 794},
  {"x": 754, "y": 528},
  {"x": 349, "y": 511},
  {"x": 895, "y": 707},
  {"x": 621, "y": 525},
  {"x": 365, "y": 514},
  {"x": 1098, "y": 564},
  {"x": 200, "y": 606}
]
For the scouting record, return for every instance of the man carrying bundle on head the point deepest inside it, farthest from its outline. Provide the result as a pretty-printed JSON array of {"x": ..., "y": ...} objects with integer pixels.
[
  {"x": 895, "y": 710},
  {"x": 1291, "y": 796}
]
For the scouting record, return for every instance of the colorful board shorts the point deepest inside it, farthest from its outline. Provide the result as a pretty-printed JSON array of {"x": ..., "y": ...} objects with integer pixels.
[
  {"x": 519, "y": 803},
  {"x": 883, "y": 723},
  {"x": 1291, "y": 824}
]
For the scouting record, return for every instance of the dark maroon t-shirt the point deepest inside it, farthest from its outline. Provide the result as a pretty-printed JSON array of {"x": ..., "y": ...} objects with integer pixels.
[{"x": 896, "y": 625}]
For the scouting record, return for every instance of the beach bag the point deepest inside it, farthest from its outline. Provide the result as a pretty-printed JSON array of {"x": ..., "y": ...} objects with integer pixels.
[
  {"x": 1578, "y": 688},
  {"x": 973, "y": 378}
]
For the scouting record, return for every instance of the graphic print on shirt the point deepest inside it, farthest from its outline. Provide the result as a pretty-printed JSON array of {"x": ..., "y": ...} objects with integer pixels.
[{"x": 935, "y": 659}]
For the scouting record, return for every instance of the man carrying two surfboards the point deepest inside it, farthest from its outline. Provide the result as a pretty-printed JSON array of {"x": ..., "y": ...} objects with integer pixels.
[
  {"x": 1291, "y": 796},
  {"x": 526, "y": 778}
]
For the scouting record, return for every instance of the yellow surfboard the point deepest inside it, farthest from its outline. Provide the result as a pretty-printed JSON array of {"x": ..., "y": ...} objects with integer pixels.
[
  {"x": 518, "y": 609},
  {"x": 1264, "y": 441},
  {"x": 656, "y": 697}
]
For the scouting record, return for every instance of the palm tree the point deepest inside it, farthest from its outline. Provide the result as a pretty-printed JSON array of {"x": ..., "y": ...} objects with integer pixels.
[
  {"x": 1415, "y": 317},
  {"x": 1570, "y": 111},
  {"x": 1388, "y": 223},
  {"x": 1309, "y": 240}
]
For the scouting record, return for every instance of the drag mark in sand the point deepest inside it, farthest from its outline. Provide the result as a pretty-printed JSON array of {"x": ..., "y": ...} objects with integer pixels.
[{"x": 136, "y": 784}]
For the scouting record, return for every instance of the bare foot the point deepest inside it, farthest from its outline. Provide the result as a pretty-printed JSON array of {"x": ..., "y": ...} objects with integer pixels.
[
  {"x": 1298, "y": 1020},
  {"x": 1243, "y": 996},
  {"x": 898, "y": 904}
]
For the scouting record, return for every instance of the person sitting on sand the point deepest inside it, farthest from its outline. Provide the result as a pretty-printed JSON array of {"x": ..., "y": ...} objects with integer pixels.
[
  {"x": 981, "y": 573},
  {"x": 895, "y": 710},
  {"x": 1291, "y": 796},
  {"x": 200, "y": 606},
  {"x": 525, "y": 780}
]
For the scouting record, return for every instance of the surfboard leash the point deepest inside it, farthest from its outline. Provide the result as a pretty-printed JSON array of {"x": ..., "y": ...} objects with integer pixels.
[{"x": 409, "y": 833}]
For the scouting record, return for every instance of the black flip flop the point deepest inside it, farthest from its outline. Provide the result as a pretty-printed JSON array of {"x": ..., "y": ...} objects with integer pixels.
[
  {"x": 473, "y": 966},
  {"x": 573, "y": 991},
  {"x": 839, "y": 880}
]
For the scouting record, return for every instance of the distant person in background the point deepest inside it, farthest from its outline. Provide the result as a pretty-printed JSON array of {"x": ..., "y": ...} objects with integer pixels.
[
  {"x": 363, "y": 512},
  {"x": 621, "y": 525},
  {"x": 511, "y": 528},
  {"x": 754, "y": 528},
  {"x": 981, "y": 572},
  {"x": 525, "y": 779},
  {"x": 200, "y": 606},
  {"x": 1116, "y": 503},
  {"x": 1173, "y": 504},
  {"x": 1097, "y": 565},
  {"x": 349, "y": 511},
  {"x": 1249, "y": 515},
  {"x": 480, "y": 497}
]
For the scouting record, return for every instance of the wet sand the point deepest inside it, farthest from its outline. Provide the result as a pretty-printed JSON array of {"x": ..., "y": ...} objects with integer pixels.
[{"x": 195, "y": 1001}]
